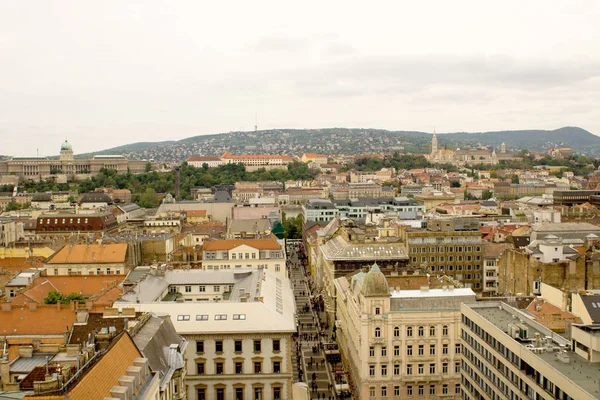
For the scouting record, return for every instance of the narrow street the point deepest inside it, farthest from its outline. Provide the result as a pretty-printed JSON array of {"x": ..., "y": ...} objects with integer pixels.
[{"x": 309, "y": 364}]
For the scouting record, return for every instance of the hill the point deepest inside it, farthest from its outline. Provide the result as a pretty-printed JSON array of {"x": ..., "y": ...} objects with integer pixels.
[{"x": 353, "y": 141}]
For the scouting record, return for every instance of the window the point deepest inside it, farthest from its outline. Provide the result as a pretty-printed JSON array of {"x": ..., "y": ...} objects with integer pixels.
[
  {"x": 201, "y": 394},
  {"x": 457, "y": 348},
  {"x": 202, "y": 288},
  {"x": 219, "y": 346},
  {"x": 188, "y": 289},
  {"x": 200, "y": 368},
  {"x": 396, "y": 331},
  {"x": 257, "y": 346},
  {"x": 445, "y": 330},
  {"x": 432, "y": 369},
  {"x": 409, "y": 351},
  {"x": 432, "y": 331},
  {"x": 238, "y": 346},
  {"x": 183, "y": 318},
  {"x": 377, "y": 311},
  {"x": 371, "y": 370},
  {"x": 409, "y": 391},
  {"x": 396, "y": 351},
  {"x": 239, "y": 316},
  {"x": 220, "y": 394},
  {"x": 432, "y": 390},
  {"x": 432, "y": 349},
  {"x": 421, "y": 331},
  {"x": 377, "y": 332},
  {"x": 277, "y": 268},
  {"x": 276, "y": 345},
  {"x": 409, "y": 331},
  {"x": 457, "y": 388},
  {"x": 258, "y": 394},
  {"x": 409, "y": 369},
  {"x": 396, "y": 369},
  {"x": 384, "y": 351},
  {"x": 200, "y": 347},
  {"x": 239, "y": 393},
  {"x": 257, "y": 367},
  {"x": 239, "y": 366},
  {"x": 384, "y": 370},
  {"x": 444, "y": 349},
  {"x": 384, "y": 391},
  {"x": 396, "y": 390},
  {"x": 371, "y": 351},
  {"x": 219, "y": 368},
  {"x": 371, "y": 392},
  {"x": 216, "y": 288},
  {"x": 421, "y": 390},
  {"x": 445, "y": 388},
  {"x": 203, "y": 317},
  {"x": 276, "y": 367},
  {"x": 233, "y": 256},
  {"x": 220, "y": 317},
  {"x": 457, "y": 367},
  {"x": 444, "y": 368},
  {"x": 276, "y": 393},
  {"x": 421, "y": 369},
  {"x": 421, "y": 349}
]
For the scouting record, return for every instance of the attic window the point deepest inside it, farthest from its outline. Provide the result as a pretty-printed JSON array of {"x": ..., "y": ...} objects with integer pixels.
[
  {"x": 220, "y": 317},
  {"x": 202, "y": 317},
  {"x": 239, "y": 316},
  {"x": 183, "y": 318}
]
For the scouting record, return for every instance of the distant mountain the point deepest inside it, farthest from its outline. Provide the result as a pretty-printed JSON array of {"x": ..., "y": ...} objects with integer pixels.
[{"x": 353, "y": 141}]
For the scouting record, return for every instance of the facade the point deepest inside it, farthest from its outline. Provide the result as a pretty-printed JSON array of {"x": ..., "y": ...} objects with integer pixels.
[
  {"x": 314, "y": 158},
  {"x": 571, "y": 197},
  {"x": 491, "y": 258},
  {"x": 506, "y": 190},
  {"x": 450, "y": 247},
  {"x": 265, "y": 253},
  {"x": 400, "y": 343},
  {"x": 93, "y": 259},
  {"x": 68, "y": 224},
  {"x": 210, "y": 161},
  {"x": 239, "y": 346},
  {"x": 36, "y": 167},
  {"x": 508, "y": 355},
  {"x": 474, "y": 156},
  {"x": 319, "y": 210}
]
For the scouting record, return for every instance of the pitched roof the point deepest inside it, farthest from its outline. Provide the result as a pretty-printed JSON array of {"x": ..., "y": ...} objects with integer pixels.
[
  {"x": 196, "y": 213},
  {"x": 90, "y": 254},
  {"x": 96, "y": 197},
  {"x": 97, "y": 382},
  {"x": 44, "y": 320},
  {"x": 228, "y": 244},
  {"x": 203, "y": 158}
]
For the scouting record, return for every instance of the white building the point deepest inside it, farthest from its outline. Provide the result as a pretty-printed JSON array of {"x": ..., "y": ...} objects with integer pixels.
[
  {"x": 400, "y": 344},
  {"x": 265, "y": 253},
  {"x": 210, "y": 161},
  {"x": 507, "y": 355},
  {"x": 240, "y": 346}
]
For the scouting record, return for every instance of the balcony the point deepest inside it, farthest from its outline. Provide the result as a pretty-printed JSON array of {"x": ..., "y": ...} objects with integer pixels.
[{"x": 422, "y": 378}]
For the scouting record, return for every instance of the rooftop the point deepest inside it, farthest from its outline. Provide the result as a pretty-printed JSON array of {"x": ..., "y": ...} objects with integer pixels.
[
  {"x": 339, "y": 249},
  {"x": 90, "y": 254},
  {"x": 431, "y": 293},
  {"x": 229, "y": 244}
]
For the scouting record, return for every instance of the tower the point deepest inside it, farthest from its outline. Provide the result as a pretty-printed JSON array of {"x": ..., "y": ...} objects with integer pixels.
[
  {"x": 66, "y": 151},
  {"x": 434, "y": 143},
  {"x": 503, "y": 148}
]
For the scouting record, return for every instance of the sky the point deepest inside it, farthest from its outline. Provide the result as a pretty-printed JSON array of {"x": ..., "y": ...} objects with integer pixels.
[{"x": 112, "y": 72}]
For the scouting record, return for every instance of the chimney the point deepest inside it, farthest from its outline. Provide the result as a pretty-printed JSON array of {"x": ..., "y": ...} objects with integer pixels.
[
  {"x": 129, "y": 383},
  {"x": 82, "y": 315},
  {"x": 143, "y": 364},
  {"x": 136, "y": 373},
  {"x": 25, "y": 351},
  {"x": 4, "y": 370},
  {"x": 119, "y": 392}
]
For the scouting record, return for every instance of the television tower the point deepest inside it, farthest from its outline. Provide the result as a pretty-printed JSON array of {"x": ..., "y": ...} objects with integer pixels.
[{"x": 255, "y": 122}]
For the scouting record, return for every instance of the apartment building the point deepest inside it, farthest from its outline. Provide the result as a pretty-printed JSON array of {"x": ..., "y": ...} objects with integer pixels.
[
  {"x": 508, "y": 355},
  {"x": 267, "y": 253},
  {"x": 450, "y": 247},
  {"x": 400, "y": 344},
  {"x": 319, "y": 210},
  {"x": 92, "y": 259},
  {"x": 240, "y": 344}
]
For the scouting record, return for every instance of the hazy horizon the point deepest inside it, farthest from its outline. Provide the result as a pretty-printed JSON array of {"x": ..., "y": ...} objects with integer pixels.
[{"x": 108, "y": 74}]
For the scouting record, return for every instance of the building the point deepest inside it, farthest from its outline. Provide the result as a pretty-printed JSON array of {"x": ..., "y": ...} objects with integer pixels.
[
  {"x": 92, "y": 259},
  {"x": 319, "y": 210},
  {"x": 314, "y": 158},
  {"x": 450, "y": 247},
  {"x": 64, "y": 224},
  {"x": 267, "y": 253},
  {"x": 506, "y": 190},
  {"x": 491, "y": 257},
  {"x": 36, "y": 167},
  {"x": 95, "y": 200},
  {"x": 200, "y": 161},
  {"x": 399, "y": 343},
  {"x": 508, "y": 355},
  {"x": 254, "y": 162},
  {"x": 571, "y": 197},
  {"x": 239, "y": 346},
  {"x": 473, "y": 156}
]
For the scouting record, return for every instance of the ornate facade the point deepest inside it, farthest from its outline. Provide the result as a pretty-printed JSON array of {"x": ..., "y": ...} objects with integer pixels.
[
  {"x": 36, "y": 167},
  {"x": 472, "y": 156}
]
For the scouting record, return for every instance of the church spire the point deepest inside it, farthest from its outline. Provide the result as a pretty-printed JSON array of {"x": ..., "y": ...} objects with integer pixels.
[{"x": 434, "y": 143}]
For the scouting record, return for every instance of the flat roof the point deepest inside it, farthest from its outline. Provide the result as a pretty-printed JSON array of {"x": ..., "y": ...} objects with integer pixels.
[{"x": 404, "y": 294}]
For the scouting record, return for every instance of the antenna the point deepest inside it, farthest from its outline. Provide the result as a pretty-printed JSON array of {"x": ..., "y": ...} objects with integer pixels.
[{"x": 255, "y": 122}]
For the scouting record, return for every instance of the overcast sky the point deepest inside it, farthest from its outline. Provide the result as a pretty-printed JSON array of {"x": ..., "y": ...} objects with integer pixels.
[{"x": 107, "y": 73}]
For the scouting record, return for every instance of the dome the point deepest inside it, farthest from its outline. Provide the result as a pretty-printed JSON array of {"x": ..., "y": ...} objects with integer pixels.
[
  {"x": 66, "y": 146},
  {"x": 375, "y": 283}
]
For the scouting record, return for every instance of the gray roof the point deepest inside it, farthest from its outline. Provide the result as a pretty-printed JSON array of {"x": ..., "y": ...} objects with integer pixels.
[
  {"x": 338, "y": 249},
  {"x": 95, "y": 197},
  {"x": 26, "y": 364},
  {"x": 162, "y": 346},
  {"x": 129, "y": 207},
  {"x": 41, "y": 197},
  {"x": 592, "y": 304}
]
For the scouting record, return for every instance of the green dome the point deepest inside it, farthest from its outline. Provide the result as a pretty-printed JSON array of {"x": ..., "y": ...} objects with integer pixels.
[
  {"x": 375, "y": 283},
  {"x": 66, "y": 146}
]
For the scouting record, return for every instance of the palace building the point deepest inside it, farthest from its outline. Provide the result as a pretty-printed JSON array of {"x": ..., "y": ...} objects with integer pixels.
[{"x": 41, "y": 167}]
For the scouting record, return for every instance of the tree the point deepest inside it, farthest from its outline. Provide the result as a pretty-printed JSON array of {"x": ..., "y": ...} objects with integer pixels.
[
  {"x": 148, "y": 167},
  {"x": 149, "y": 199},
  {"x": 54, "y": 297},
  {"x": 486, "y": 195},
  {"x": 515, "y": 179},
  {"x": 12, "y": 206},
  {"x": 455, "y": 184}
]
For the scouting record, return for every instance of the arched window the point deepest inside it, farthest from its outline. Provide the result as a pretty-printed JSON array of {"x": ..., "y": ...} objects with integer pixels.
[
  {"x": 409, "y": 331},
  {"x": 432, "y": 330},
  {"x": 396, "y": 331},
  {"x": 421, "y": 331},
  {"x": 377, "y": 332},
  {"x": 445, "y": 330}
]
